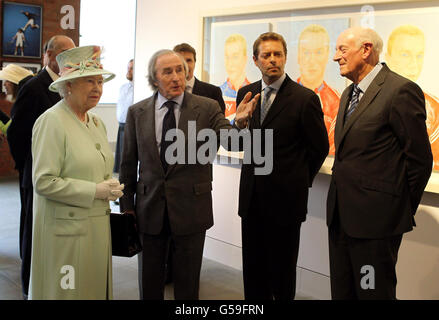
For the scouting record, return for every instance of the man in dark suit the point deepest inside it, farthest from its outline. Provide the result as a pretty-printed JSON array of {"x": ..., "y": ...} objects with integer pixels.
[
  {"x": 382, "y": 164},
  {"x": 33, "y": 99},
  {"x": 273, "y": 206},
  {"x": 193, "y": 85},
  {"x": 170, "y": 200}
]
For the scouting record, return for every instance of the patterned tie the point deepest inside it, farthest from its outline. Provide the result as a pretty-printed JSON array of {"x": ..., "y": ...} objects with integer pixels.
[
  {"x": 168, "y": 123},
  {"x": 354, "y": 102},
  {"x": 265, "y": 106}
]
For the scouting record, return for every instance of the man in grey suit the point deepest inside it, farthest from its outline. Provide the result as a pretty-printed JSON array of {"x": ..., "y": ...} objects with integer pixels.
[
  {"x": 170, "y": 200},
  {"x": 382, "y": 164},
  {"x": 200, "y": 88}
]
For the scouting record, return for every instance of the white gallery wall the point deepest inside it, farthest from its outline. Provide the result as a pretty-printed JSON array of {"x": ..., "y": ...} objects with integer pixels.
[{"x": 162, "y": 24}]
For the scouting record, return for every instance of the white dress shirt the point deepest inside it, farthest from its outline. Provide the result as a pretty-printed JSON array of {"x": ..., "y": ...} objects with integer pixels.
[
  {"x": 190, "y": 85},
  {"x": 275, "y": 85},
  {"x": 126, "y": 97},
  {"x": 160, "y": 112},
  {"x": 367, "y": 80},
  {"x": 52, "y": 74}
]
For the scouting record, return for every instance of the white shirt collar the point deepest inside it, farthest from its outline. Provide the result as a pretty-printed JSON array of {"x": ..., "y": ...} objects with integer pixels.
[
  {"x": 367, "y": 80},
  {"x": 275, "y": 85},
  {"x": 190, "y": 83},
  {"x": 52, "y": 74},
  {"x": 161, "y": 100}
]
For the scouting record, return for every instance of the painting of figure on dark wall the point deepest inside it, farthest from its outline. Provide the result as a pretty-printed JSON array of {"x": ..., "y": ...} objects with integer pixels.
[{"x": 21, "y": 30}]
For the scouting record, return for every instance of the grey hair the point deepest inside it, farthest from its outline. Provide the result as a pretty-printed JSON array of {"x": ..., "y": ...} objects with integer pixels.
[
  {"x": 62, "y": 88},
  {"x": 370, "y": 35},
  {"x": 152, "y": 78}
]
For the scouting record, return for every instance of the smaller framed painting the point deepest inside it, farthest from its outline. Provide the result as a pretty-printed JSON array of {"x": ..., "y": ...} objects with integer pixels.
[{"x": 21, "y": 30}]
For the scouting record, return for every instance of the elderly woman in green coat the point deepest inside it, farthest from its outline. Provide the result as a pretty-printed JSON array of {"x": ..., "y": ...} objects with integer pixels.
[{"x": 72, "y": 167}]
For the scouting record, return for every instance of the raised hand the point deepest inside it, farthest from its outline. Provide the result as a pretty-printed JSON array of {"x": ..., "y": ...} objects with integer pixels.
[{"x": 245, "y": 109}]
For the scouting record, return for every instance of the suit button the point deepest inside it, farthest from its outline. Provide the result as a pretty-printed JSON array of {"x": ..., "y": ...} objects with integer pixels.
[
  {"x": 98, "y": 146},
  {"x": 71, "y": 214},
  {"x": 108, "y": 211},
  {"x": 107, "y": 176}
]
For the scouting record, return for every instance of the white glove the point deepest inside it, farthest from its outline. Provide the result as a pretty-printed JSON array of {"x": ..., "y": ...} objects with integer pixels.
[{"x": 109, "y": 190}]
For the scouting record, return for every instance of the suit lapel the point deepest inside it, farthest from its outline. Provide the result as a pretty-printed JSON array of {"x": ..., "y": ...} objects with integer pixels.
[
  {"x": 344, "y": 102},
  {"x": 147, "y": 119},
  {"x": 255, "y": 121},
  {"x": 46, "y": 80},
  {"x": 278, "y": 104},
  {"x": 196, "y": 88},
  {"x": 365, "y": 101}
]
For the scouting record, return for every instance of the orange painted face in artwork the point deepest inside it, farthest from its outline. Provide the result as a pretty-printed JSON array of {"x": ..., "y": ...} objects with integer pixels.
[
  {"x": 312, "y": 58},
  {"x": 406, "y": 57}
]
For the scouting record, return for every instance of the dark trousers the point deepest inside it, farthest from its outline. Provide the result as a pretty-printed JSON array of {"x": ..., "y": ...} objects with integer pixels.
[
  {"x": 26, "y": 219},
  {"x": 362, "y": 268},
  {"x": 269, "y": 258},
  {"x": 187, "y": 255},
  {"x": 22, "y": 210},
  {"x": 119, "y": 147}
]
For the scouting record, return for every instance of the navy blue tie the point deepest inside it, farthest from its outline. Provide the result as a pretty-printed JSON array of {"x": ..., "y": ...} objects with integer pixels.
[
  {"x": 354, "y": 101},
  {"x": 168, "y": 124}
]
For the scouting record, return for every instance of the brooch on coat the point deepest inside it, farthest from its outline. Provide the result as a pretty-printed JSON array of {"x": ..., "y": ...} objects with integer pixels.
[{"x": 95, "y": 121}]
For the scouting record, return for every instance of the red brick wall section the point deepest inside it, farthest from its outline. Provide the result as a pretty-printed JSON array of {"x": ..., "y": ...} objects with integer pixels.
[
  {"x": 51, "y": 26},
  {"x": 6, "y": 161}
]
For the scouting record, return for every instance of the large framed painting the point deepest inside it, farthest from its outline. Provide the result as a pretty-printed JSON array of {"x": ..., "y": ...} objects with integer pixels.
[
  {"x": 410, "y": 49},
  {"x": 408, "y": 29},
  {"x": 231, "y": 63},
  {"x": 310, "y": 44},
  {"x": 21, "y": 30},
  {"x": 232, "y": 67}
]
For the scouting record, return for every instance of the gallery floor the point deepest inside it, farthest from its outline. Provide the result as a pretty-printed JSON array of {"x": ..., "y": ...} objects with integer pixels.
[{"x": 218, "y": 282}]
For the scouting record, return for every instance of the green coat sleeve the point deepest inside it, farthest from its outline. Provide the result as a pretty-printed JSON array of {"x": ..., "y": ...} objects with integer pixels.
[
  {"x": 4, "y": 127},
  {"x": 48, "y": 156}
]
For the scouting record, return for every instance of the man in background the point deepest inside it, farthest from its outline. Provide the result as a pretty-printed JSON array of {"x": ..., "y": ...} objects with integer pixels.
[
  {"x": 126, "y": 97},
  {"x": 193, "y": 85},
  {"x": 33, "y": 99},
  {"x": 313, "y": 55}
]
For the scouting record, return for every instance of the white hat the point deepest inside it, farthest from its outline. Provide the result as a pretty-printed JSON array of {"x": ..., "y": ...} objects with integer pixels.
[
  {"x": 80, "y": 62},
  {"x": 14, "y": 73}
]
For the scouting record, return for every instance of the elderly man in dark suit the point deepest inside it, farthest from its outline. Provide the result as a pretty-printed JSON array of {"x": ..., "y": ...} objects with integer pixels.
[
  {"x": 200, "y": 88},
  {"x": 273, "y": 206},
  {"x": 170, "y": 200},
  {"x": 33, "y": 99},
  {"x": 193, "y": 85},
  {"x": 382, "y": 164}
]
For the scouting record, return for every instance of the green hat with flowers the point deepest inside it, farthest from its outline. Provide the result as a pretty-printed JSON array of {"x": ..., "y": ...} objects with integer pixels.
[{"x": 80, "y": 62}]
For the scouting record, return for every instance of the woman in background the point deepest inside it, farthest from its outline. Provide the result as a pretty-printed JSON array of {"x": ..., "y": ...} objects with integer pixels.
[{"x": 12, "y": 75}]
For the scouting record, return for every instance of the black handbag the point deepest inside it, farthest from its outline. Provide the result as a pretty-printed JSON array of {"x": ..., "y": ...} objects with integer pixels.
[{"x": 125, "y": 239}]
